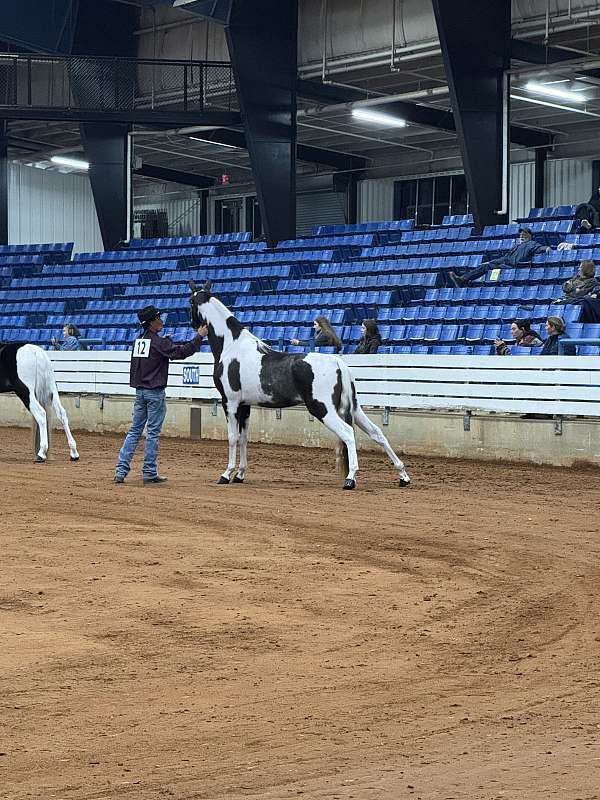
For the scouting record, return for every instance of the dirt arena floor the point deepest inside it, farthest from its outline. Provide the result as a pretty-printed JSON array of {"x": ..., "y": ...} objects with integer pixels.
[{"x": 285, "y": 639}]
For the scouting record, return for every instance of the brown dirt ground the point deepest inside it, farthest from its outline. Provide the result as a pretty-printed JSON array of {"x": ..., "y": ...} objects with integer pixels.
[{"x": 286, "y": 639}]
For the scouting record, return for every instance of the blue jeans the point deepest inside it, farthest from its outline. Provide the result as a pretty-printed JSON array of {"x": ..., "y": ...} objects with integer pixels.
[{"x": 149, "y": 412}]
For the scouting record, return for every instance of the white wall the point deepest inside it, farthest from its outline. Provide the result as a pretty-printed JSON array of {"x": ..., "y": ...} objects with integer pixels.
[
  {"x": 49, "y": 206},
  {"x": 375, "y": 199}
]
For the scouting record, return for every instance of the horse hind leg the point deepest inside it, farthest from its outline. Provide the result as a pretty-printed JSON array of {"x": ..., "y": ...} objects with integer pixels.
[
  {"x": 64, "y": 421},
  {"x": 40, "y": 419},
  {"x": 345, "y": 433},
  {"x": 375, "y": 433}
]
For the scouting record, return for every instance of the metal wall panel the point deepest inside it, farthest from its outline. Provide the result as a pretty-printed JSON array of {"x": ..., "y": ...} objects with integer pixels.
[
  {"x": 49, "y": 206},
  {"x": 319, "y": 208},
  {"x": 568, "y": 180},
  {"x": 183, "y": 212},
  {"x": 522, "y": 189},
  {"x": 375, "y": 199}
]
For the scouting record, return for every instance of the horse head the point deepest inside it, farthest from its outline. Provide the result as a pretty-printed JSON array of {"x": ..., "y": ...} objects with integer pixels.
[{"x": 200, "y": 295}]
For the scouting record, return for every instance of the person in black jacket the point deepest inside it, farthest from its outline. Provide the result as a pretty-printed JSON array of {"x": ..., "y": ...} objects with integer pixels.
[
  {"x": 520, "y": 253},
  {"x": 370, "y": 341},
  {"x": 555, "y": 328},
  {"x": 325, "y": 336},
  {"x": 588, "y": 213}
]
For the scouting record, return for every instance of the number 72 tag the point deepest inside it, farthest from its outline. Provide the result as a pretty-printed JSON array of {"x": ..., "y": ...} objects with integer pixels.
[{"x": 141, "y": 348}]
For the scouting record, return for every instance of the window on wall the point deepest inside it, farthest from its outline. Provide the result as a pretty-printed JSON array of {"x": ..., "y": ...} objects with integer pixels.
[{"x": 429, "y": 200}]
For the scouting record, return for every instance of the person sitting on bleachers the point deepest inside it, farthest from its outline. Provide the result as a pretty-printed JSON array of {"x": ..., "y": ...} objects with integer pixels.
[
  {"x": 370, "y": 341},
  {"x": 324, "y": 334},
  {"x": 581, "y": 284},
  {"x": 523, "y": 337},
  {"x": 588, "y": 213},
  {"x": 521, "y": 253},
  {"x": 71, "y": 341},
  {"x": 556, "y": 329}
]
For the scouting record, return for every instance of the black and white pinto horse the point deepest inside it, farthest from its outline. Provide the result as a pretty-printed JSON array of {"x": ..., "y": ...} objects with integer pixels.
[
  {"x": 26, "y": 370},
  {"x": 250, "y": 373}
]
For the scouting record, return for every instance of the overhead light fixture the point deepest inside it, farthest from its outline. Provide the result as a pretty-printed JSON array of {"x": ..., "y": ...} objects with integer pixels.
[
  {"x": 74, "y": 163},
  {"x": 385, "y": 120},
  {"x": 210, "y": 141},
  {"x": 553, "y": 91},
  {"x": 553, "y": 105}
]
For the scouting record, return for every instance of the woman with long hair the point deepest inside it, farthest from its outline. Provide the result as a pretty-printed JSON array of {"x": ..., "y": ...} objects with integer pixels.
[
  {"x": 325, "y": 335},
  {"x": 370, "y": 341}
]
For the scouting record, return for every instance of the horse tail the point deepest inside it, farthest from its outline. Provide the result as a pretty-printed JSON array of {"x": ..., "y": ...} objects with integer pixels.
[{"x": 346, "y": 412}]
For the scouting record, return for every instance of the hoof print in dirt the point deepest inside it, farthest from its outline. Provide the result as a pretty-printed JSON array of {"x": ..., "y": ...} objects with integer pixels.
[
  {"x": 222, "y": 481},
  {"x": 349, "y": 484}
]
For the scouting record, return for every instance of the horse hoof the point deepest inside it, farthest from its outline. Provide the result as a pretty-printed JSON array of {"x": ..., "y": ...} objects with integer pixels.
[
  {"x": 404, "y": 482},
  {"x": 349, "y": 483},
  {"x": 74, "y": 458},
  {"x": 39, "y": 460},
  {"x": 237, "y": 480},
  {"x": 222, "y": 480}
]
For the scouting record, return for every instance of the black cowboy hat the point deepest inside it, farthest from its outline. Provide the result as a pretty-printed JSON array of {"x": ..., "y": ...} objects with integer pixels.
[{"x": 147, "y": 314}]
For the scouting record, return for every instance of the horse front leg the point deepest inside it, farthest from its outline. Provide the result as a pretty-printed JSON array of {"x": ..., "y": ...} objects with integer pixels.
[
  {"x": 233, "y": 438},
  {"x": 243, "y": 414}
]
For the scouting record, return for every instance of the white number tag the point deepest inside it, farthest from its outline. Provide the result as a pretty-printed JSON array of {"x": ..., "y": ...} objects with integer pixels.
[{"x": 141, "y": 348}]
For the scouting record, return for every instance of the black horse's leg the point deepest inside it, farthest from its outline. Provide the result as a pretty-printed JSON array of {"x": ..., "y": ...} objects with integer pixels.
[{"x": 242, "y": 415}]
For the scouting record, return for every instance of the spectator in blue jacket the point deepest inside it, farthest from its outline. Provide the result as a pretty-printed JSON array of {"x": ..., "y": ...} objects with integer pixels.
[
  {"x": 555, "y": 328},
  {"x": 71, "y": 341},
  {"x": 522, "y": 252}
]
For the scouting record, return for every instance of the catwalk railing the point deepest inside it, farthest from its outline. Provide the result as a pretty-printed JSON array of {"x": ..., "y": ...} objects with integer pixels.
[
  {"x": 557, "y": 385},
  {"x": 112, "y": 85}
]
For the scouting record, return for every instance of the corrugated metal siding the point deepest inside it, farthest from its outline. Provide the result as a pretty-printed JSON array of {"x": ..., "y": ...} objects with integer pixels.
[
  {"x": 319, "y": 208},
  {"x": 568, "y": 180},
  {"x": 183, "y": 213},
  {"x": 48, "y": 206},
  {"x": 376, "y": 199},
  {"x": 522, "y": 189}
]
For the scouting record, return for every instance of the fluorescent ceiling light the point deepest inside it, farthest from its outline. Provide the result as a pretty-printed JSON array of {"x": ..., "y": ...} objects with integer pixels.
[
  {"x": 385, "y": 120},
  {"x": 209, "y": 141},
  {"x": 553, "y": 105},
  {"x": 553, "y": 91},
  {"x": 75, "y": 163}
]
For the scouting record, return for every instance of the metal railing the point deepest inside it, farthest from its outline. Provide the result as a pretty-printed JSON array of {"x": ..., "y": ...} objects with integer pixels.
[{"x": 115, "y": 84}]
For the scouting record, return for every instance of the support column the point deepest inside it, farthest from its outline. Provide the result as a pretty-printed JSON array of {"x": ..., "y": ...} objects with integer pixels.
[
  {"x": 3, "y": 182},
  {"x": 262, "y": 39},
  {"x": 475, "y": 44},
  {"x": 541, "y": 154},
  {"x": 106, "y": 148}
]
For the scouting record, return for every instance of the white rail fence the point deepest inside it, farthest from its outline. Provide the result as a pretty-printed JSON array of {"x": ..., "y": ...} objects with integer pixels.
[{"x": 558, "y": 385}]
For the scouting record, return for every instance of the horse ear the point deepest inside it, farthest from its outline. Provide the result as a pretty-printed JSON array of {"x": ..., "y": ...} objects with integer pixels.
[
  {"x": 192, "y": 285},
  {"x": 207, "y": 285}
]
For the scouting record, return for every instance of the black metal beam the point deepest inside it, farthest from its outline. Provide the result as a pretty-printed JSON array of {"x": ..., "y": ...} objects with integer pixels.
[
  {"x": 266, "y": 87},
  {"x": 541, "y": 156},
  {"x": 476, "y": 53},
  {"x": 304, "y": 152},
  {"x": 3, "y": 182},
  {"x": 534, "y": 53},
  {"x": 153, "y": 118},
  {"x": 428, "y": 117},
  {"x": 106, "y": 148},
  {"x": 174, "y": 176}
]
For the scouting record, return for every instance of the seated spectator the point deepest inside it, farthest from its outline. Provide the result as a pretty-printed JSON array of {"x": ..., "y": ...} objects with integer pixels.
[
  {"x": 555, "y": 327},
  {"x": 522, "y": 252},
  {"x": 582, "y": 284},
  {"x": 71, "y": 341},
  {"x": 588, "y": 213},
  {"x": 523, "y": 337},
  {"x": 324, "y": 334},
  {"x": 370, "y": 341}
]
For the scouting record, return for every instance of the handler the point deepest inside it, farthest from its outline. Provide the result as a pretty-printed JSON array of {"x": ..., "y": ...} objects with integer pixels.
[{"x": 149, "y": 373}]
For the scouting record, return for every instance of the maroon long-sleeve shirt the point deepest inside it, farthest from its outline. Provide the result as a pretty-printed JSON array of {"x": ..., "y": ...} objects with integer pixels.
[{"x": 150, "y": 359}]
